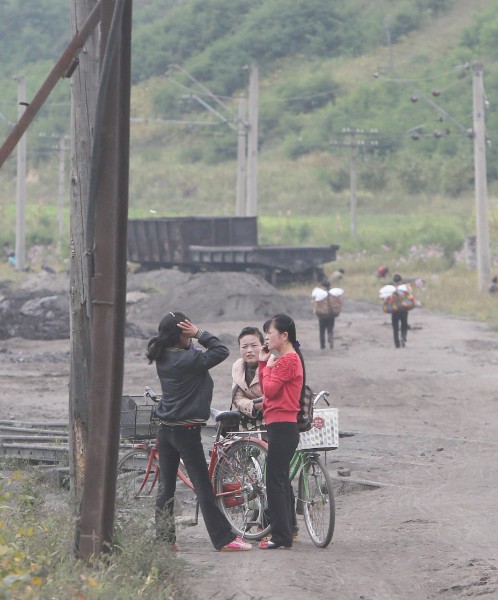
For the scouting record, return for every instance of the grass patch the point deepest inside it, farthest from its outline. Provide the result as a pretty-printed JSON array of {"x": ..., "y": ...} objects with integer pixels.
[{"x": 36, "y": 557}]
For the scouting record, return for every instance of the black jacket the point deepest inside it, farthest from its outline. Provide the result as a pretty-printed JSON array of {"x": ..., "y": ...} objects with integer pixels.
[{"x": 187, "y": 386}]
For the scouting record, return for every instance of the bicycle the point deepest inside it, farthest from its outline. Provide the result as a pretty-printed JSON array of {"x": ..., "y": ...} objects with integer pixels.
[
  {"x": 315, "y": 496},
  {"x": 315, "y": 499},
  {"x": 236, "y": 469}
]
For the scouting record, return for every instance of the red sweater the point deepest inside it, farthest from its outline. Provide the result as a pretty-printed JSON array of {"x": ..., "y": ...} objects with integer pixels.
[{"x": 281, "y": 386}]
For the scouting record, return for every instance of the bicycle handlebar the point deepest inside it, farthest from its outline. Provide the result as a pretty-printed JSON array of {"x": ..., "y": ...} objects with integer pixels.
[
  {"x": 322, "y": 396},
  {"x": 149, "y": 393}
]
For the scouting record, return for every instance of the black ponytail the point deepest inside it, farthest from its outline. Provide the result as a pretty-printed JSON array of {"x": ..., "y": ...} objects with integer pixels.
[
  {"x": 284, "y": 323},
  {"x": 168, "y": 335}
]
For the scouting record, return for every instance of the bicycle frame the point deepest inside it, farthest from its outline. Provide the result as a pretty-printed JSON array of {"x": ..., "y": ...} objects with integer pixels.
[{"x": 220, "y": 447}]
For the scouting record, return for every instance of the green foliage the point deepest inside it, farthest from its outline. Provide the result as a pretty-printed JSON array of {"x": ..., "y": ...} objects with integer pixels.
[
  {"x": 307, "y": 92},
  {"x": 31, "y": 31},
  {"x": 186, "y": 31},
  {"x": 37, "y": 560}
]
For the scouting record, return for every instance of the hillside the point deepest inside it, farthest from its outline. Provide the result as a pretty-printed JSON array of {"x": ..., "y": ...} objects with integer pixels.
[{"x": 324, "y": 68}]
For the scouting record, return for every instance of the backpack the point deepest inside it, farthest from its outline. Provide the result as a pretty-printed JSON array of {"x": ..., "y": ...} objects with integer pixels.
[
  {"x": 305, "y": 414},
  {"x": 328, "y": 307},
  {"x": 399, "y": 301}
]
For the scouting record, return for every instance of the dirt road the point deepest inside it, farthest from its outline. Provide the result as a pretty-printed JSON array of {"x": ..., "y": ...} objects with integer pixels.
[{"x": 425, "y": 424}]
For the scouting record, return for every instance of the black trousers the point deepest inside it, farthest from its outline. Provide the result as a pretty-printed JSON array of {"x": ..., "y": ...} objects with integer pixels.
[
  {"x": 326, "y": 325},
  {"x": 283, "y": 439},
  {"x": 185, "y": 442},
  {"x": 397, "y": 318}
]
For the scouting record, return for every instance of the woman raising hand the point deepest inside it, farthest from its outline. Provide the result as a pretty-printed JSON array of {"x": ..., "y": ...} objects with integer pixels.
[{"x": 282, "y": 381}]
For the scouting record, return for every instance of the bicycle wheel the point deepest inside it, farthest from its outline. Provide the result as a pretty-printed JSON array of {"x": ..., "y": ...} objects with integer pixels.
[
  {"x": 134, "y": 484},
  {"x": 316, "y": 498},
  {"x": 239, "y": 484}
]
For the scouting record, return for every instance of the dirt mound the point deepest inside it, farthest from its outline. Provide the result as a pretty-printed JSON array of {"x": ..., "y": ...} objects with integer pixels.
[
  {"x": 39, "y": 309},
  {"x": 37, "y": 315},
  {"x": 211, "y": 297}
]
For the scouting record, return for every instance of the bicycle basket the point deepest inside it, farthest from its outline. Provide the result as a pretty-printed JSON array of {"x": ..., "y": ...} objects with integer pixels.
[
  {"x": 137, "y": 419},
  {"x": 324, "y": 432}
]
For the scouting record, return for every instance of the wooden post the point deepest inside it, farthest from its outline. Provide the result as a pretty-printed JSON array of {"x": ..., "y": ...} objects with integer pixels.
[
  {"x": 106, "y": 246},
  {"x": 84, "y": 87}
]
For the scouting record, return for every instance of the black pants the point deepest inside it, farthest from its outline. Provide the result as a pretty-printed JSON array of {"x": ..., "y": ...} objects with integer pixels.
[
  {"x": 283, "y": 439},
  {"x": 185, "y": 442},
  {"x": 326, "y": 325},
  {"x": 396, "y": 319}
]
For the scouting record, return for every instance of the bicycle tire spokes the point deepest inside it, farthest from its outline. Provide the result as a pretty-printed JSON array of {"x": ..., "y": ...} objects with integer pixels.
[
  {"x": 240, "y": 487},
  {"x": 136, "y": 479},
  {"x": 316, "y": 498}
]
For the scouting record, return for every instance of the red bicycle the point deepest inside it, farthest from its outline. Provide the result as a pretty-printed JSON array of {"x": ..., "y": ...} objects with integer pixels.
[{"x": 236, "y": 468}]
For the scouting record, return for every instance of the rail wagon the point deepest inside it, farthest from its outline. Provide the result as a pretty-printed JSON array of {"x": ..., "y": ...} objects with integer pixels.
[{"x": 221, "y": 244}]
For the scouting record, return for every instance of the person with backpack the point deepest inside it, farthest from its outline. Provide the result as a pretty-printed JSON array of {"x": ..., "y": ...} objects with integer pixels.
[
  {"x": 327, "y": 307},
  {"x": 399, "y": 317},
  {"x": 282, "y": 381}
]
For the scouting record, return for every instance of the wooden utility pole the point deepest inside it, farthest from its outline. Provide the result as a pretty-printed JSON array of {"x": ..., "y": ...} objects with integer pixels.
[
  {"x": 20, "y": 247},
  {"x": 106, "y": 240},
  {"x": 481, "y": 185},
  {"x": 252, "y": 144},
  {"x": 240, "y": 203},
  {"x": 84, "y": 86}
]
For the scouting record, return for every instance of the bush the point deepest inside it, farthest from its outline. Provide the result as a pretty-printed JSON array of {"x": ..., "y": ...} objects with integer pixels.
[{"x": 38, "y": 561}]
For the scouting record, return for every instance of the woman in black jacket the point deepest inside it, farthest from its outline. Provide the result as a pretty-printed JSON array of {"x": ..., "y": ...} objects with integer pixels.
[{"x": 187, "y": 391}]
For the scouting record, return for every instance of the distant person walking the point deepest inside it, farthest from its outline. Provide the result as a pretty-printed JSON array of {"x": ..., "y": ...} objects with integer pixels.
[
  {"x": 399, "y": 318},
  {"x": 493, "y": 288},
  {"x": 382, "y": 272},
  {"x": 337, "y": 275},
  {"x": 327, "y": 307}
]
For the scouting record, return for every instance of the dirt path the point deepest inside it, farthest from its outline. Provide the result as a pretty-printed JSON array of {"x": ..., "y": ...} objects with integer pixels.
[{"x": 425, "y": 420}]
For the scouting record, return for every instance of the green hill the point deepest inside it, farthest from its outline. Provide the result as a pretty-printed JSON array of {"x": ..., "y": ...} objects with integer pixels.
[{"x": 325, "y": 68}]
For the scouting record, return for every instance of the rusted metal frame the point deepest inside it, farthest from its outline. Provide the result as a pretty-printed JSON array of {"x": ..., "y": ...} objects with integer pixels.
[
  {"x": 61, "y": 68},
  {"x": 108, "y": 289}
]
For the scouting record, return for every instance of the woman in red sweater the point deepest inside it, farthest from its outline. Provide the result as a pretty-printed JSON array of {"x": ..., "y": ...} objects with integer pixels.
[{"x": 282, "y": 381}]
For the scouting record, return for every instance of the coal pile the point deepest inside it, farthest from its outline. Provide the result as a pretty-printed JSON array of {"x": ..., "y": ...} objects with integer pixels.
[{"x": 39, "y": 309}]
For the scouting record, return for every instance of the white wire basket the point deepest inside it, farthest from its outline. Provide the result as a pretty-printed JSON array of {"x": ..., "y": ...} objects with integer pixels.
[{"x": 324, "y": 433}]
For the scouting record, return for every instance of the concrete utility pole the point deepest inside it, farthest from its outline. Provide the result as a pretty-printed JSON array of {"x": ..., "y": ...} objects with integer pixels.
[
  {"x": 353, "y": 187},
  {"x": 481, "y": 185},
  {"x": 240, "y": 204},
  {"x": 390, "y": 55},
  {"x": 353, "y": 144},
  {"x": 252, "y": 144},
  {"x": 238, "y": 124},
  {"x": 20, "y": 248}
]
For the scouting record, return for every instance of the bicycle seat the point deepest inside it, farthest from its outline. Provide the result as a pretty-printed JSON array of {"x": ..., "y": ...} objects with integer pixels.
[{"x": 228, "y": 415}]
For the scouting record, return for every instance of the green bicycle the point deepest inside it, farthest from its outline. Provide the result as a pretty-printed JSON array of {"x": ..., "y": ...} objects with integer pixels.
[{"x": 315, "y": 495}]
